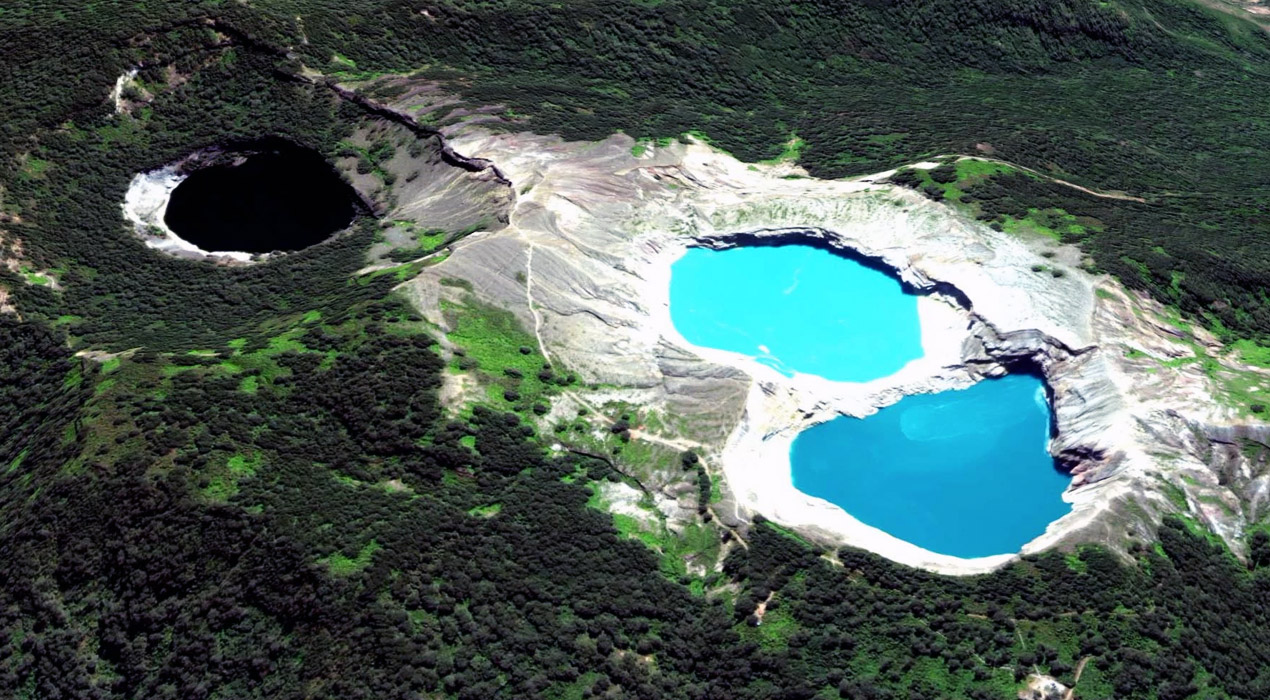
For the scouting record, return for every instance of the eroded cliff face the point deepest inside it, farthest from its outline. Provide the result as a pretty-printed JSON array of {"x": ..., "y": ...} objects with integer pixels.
[
  {"x": 584, "y": 261},
  {"x": 418, "y": 184}
]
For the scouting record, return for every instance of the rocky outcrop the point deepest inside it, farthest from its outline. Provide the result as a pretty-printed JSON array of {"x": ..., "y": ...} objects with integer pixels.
[
  {"x": 423, "y": 183},
  {"x": 584, "y": 261},
  {"x": 1041, "y": 687}
]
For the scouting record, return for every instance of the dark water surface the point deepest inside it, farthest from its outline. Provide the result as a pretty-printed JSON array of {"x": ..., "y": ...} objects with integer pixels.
[{"x": 282, "y": 198}]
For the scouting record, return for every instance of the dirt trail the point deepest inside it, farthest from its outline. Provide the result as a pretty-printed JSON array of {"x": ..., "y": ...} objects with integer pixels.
[
  {"x": 676, "y": 443},
  {"x": 761, "y": 609},
  {"x": 1105, "y": 195},
  {"x": 1080, "y": 668},
  {"x": 529, "y": 299}
]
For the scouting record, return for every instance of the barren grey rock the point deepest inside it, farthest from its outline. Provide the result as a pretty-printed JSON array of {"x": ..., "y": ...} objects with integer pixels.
[{"x": 584, "y": 261}]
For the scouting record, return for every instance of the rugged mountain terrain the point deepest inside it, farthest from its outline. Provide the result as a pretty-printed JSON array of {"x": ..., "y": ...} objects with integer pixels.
[
  {"x": 403, "y": 463},
  {"x": 585, "y": 263}
]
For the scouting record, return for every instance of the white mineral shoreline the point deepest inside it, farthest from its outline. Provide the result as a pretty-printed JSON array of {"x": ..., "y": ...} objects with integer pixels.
[
  {"x": 146, "y": 203},
  {"x": 756, "y": 459},
  {"x": 602, "y": 225}
]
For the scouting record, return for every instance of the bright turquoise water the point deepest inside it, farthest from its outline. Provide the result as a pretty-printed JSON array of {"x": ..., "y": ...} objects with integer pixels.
[
  {"x": 796, "y": 308},
  {"x": 964, "y": 473}
]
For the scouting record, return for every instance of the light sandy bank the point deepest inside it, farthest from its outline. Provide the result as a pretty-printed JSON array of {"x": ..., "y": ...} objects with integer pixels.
[
  {"x": 146, "y": 203},
  {"x": 585, "y": 263}
]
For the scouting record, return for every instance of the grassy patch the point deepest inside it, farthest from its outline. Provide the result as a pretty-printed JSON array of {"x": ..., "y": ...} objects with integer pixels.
[
  {"x": 33, "y": 167},
  {"x": 173, "y": 370},
  {"x": 74, "y": 378},
  {"x": 1175, "y": 495},
  {"x": 577, "y": 690},
  {"x": 641, "y": 455},
  {"x": 950, "y": 182},
  {"x": 1053, "y": 223},
  {"x": 456, "y": 282},
  {"x": 33, "y": 277},
  {"x": 1246, "y": 391},
  {"x": 341, "y": 565},
  {"x": 969, "y": 169},
  {"x": 345, "y": 480},
  {"x": 1095, "y": 683},
  {"x": 17, "y": 461},
  {"x": 791, "y": 152},
  {"x": 493, "y": 344},
  {"x": 773, "y": 634},
  {"x": 425, "y": 241},
  {"x": 220, "y": 488},
  {"x": 240, "y": 465},
  {"x": 286, "y": 342},
  {"x": 1252, "y": 352},
  {"x": 696, "y": 543},
  {"x": 791, "y": 534},
  {"x": 224, "y": 486}
]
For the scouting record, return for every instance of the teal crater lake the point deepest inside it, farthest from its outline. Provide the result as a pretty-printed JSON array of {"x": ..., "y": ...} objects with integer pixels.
[
  {"x": 965, "y": 473},
  {"x": 798, "y": 309}
]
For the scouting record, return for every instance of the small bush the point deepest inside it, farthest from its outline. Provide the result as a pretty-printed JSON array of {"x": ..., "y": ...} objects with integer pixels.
[
  {"x": 945, "y": 173},
  {"x": 906, "y": 178}
]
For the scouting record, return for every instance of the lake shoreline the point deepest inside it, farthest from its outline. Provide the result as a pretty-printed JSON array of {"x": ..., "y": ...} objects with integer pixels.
[{"x": 602, "y": 224}]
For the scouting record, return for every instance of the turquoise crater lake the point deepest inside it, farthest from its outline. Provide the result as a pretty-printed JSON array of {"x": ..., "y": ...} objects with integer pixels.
[
  {"x": 964, "y": 473},
  {"x": 796, "y": 308}
]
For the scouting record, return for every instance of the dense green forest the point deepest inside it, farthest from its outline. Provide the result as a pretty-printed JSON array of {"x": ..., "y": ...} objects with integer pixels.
[
  {"x": 264, "y": 499},
  {"x": 1164, "y": 99},
  {"x": 293, "y": 516}
]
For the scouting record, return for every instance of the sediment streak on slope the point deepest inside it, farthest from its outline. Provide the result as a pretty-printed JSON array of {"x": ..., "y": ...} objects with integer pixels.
[{"x": 529, "y": 300}]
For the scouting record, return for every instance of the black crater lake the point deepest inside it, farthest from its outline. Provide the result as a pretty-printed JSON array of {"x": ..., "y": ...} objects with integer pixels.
[{"x": 278, "y": 197}]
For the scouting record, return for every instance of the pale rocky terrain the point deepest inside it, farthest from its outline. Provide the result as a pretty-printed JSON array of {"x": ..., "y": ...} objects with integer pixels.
[
  {"x": 576, "y": 239},
  {"x": 584, "y": 261},
  {"x": 146, "y": 203}
]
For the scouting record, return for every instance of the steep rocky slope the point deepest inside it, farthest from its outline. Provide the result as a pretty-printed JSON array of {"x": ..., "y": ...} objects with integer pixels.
[{"x": 585, "y": 261}]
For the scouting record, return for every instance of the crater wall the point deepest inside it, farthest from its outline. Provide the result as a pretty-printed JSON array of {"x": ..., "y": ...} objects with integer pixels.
[{"x": 585, "y": 258}]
